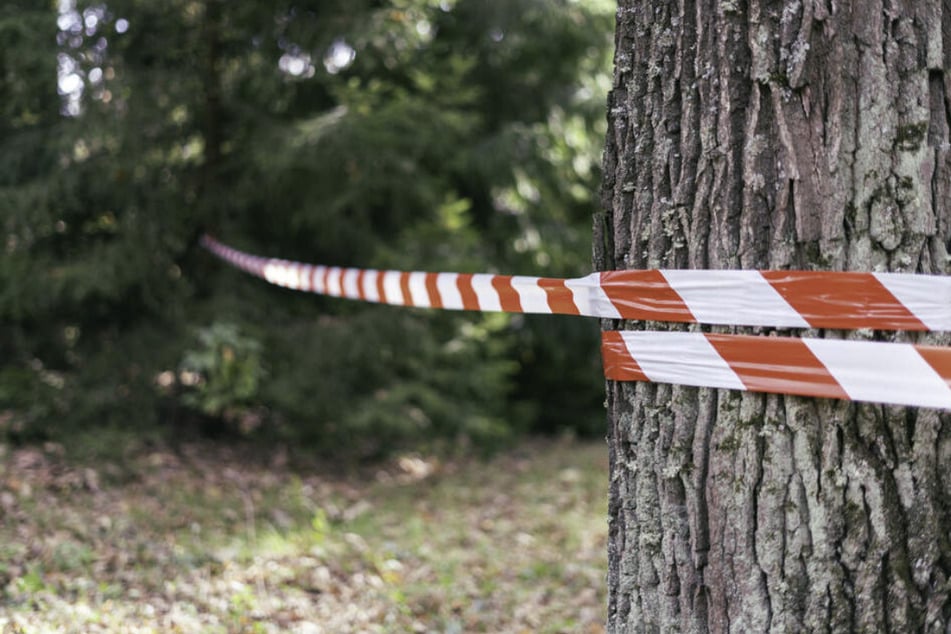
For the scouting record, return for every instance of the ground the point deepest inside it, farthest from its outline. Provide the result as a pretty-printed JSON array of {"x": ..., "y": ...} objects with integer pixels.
[{"x": 210, "y": 539}]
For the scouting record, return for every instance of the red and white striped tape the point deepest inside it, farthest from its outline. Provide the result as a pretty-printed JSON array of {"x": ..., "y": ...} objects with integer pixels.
[
  {"x": 896, "y": 373},
  {"x": 452, "y": 291},
  {"x": 779, "y": 299}
]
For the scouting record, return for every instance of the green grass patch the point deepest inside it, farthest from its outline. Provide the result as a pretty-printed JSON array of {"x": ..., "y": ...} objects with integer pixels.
[{"x": 212, "y": 539}]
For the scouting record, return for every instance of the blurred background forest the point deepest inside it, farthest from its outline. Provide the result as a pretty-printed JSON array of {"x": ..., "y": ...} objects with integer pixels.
[{"x": 440, "y": 135}]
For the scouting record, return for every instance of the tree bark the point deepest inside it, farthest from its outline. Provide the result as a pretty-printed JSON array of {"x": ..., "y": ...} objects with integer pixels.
[{"x": 755, "y": 134}]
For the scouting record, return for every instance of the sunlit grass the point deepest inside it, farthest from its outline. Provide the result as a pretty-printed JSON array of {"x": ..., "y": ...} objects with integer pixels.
[{"x": 208, "y": 541}]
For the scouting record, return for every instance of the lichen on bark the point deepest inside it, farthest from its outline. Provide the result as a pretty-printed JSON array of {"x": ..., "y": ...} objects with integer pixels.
[{"x": 808, "y": 134}]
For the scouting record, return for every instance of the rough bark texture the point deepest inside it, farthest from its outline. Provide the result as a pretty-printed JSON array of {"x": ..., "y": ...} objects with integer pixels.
[{"x": 807, "y": 134}]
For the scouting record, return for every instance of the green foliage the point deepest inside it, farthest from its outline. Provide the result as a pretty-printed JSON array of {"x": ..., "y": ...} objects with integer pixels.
[
  {"x": 224, "y": 372},
  {"x": 31, "y": 398},
  {"x": 416, "y": 134},
  {"x": 382, "y": 376}
]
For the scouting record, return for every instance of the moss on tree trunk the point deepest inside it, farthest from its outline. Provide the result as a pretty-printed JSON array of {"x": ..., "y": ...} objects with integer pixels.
[{"x": 749, "y": 134}]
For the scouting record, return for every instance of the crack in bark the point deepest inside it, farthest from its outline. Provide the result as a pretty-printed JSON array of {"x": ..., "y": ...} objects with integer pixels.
[{"x": 759, "y": 443}]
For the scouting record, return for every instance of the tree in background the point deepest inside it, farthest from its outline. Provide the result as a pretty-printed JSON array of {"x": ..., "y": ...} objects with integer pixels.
[
  {"x": 452, "y": 135},
  {"x": 762, "y": 135}
]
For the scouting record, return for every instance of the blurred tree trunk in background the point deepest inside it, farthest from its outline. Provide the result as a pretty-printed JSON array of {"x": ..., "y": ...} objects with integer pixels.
[
  {"x": 767, "y": 135},
  {"x": 212, "y": 108}
]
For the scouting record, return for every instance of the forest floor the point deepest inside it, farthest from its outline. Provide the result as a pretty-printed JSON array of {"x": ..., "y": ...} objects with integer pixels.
[{"x": 212, "y": 539}]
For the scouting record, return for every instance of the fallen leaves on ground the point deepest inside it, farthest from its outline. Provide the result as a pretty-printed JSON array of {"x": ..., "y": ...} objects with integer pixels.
[{"x": 212, "y": 539}]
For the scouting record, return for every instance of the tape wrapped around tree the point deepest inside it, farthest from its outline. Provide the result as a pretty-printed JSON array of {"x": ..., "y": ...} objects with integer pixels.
[{"x": 894, "y": 373}]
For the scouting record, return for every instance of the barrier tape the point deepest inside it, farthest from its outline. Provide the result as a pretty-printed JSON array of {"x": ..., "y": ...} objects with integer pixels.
[
  {"x": 896, "y": 373},
  {"x": 779, "y": 299}
]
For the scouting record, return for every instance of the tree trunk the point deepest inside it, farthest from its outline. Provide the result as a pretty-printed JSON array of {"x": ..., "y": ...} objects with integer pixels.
[{"x": 807, "y": 134}]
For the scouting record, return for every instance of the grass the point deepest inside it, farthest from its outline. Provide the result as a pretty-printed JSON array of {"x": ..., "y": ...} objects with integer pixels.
[{"x": 211, "y": 539}]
